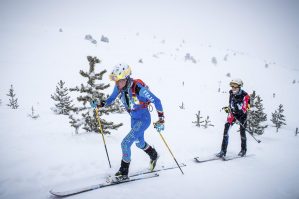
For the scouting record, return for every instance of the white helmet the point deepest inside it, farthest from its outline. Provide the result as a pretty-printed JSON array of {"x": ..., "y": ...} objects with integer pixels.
[
  {"x": 236, "y": 82},
  {"x": 120, "y": 71}
]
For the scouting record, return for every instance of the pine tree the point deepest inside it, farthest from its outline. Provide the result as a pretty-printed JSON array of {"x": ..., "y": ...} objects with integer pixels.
[
  {"x": 198, "y": 119},
  {"x": 207, "y": 122},
  {"x": 117, "y": 105},
  {"x": 0, "y": 102},
  {"x": 182, "y": 106},
  {"x": 76, "y": 121},
  {"x": 92, "y": 90},
  {"x": 256, "y": 115},
  {"x": 33, "y": 115},
  {"x": 278, "y": 118},
  {"x": 64, "y": 104},
  {"x": 13, "y": 102}
]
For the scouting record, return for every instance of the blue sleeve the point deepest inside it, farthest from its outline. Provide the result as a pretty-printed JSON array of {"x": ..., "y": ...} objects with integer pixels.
[
  {"x": 112, "y": 97},
  {"x": 151, "y": 97}
]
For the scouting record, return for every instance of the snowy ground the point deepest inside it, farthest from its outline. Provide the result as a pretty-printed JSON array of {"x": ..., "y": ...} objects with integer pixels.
[{"x": 38, "y": 155}]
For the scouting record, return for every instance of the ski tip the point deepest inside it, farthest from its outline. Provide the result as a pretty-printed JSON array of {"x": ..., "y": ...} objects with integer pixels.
[{"x": 54, "y": 193}]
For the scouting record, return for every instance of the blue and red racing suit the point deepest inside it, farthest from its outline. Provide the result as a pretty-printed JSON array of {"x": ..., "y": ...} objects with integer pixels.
[{"x": 135, "y": 97}]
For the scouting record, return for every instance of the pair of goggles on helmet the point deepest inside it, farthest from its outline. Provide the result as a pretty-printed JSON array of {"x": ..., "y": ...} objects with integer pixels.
[
  {"x": 119, "y": 74},
  {"x": 234, "y": 85}
]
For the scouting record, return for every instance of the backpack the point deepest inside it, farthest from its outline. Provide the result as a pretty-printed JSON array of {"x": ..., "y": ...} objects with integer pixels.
[{"x": 134, "y": 95}]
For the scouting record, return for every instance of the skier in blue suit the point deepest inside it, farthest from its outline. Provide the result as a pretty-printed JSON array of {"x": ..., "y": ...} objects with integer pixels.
[{"x": 136, "y": 98}]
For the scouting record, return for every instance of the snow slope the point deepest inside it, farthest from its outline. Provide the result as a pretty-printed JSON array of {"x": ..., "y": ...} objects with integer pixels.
[{"x": 37, "y": 155}]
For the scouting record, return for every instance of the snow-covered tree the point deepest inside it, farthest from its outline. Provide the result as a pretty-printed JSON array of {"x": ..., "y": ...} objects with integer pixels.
[
  {"x": 76, "y": 120},
  {"x": 117, "y": 105},
  {"x": 278, "y": 118},
  {"x": 64, "y": 103},
  {"x": 0, "y": 102},
  {"x": 182, "y": 106},
  {"x": 92, "y": 90},
  {"x": 13, "y": 102},
  {"x": 256, "y": 115},
  {"x": 207, "y": 122},
  {"x": 219, "y": 85},
  {"x": 214, "y": 60},
  {"x": 33, "y": 115},
  {"x": 104, "y": 39},
  {"x": 188, "y": 57},
  {"x": 198, "y": 119}
]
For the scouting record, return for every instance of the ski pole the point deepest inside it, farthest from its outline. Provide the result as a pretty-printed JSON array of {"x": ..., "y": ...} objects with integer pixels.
[
  {"x": 101, "y": 130},
  {"x": 170, "y": 151},
  {"x": 251, "y": 133}
]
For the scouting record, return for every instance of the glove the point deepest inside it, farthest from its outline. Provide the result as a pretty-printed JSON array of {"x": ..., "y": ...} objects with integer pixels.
[
  {"x": 94, "y": 103},
  {"x": 159, "y": 125},
  {"x": 226, "y": 109}
]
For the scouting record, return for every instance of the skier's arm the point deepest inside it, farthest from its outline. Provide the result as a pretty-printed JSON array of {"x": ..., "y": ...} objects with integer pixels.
[
  {"x": 112, "y": 97},
  {"x": 152, "y": 98},
  {"x": 144, "y": 92}
]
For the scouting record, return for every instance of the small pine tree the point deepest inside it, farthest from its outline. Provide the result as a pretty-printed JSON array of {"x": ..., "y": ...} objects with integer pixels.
[
  {"x": 182, "y": 106},
  {"x": 207, "y": 123},
  {"x": 0, "y": 102},
  {"x": 198, "y": 119},
  {"x": 225, "y": 57},
  {"x": 33, "y": 115},
  {"x": 76, "y": 121},
  {"x": 256, "y": 115},
  {"x": 92, "y": 90},
  {"x": 13, "y": 102},
  {"x": 214, "y": 60},
  {"x": 64, "y": 104},
  {"x": 278, "y": 118}
]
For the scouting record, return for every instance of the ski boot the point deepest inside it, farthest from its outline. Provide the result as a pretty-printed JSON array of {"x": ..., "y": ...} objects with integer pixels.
[
  {"x": 221, "y": 154},
  {"x": 153, "y": 156},
  {"x": 242, "y": 153},
  {"x": 122, "y": 174}
]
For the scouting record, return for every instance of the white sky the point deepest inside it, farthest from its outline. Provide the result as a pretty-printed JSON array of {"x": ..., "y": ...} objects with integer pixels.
[{"x": 268, "y": 29}]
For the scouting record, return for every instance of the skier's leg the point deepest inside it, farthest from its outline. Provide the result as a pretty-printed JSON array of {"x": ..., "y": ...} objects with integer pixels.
[
  {"x": 129, "y": 139},
  {"x": 126, "y": 149},
  {"x": 140, "y": 143},
  {"x": 225, "y": 138},
  {"x": 243, "y": 137}
]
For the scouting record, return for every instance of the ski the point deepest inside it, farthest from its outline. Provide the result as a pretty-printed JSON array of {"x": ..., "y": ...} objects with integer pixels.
[
  {"x": 206, "y": 160},
  {"x": 198, "y": 160},
  {"x": 157, "y": 169},
  {"x": 98, "y": 186}
]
